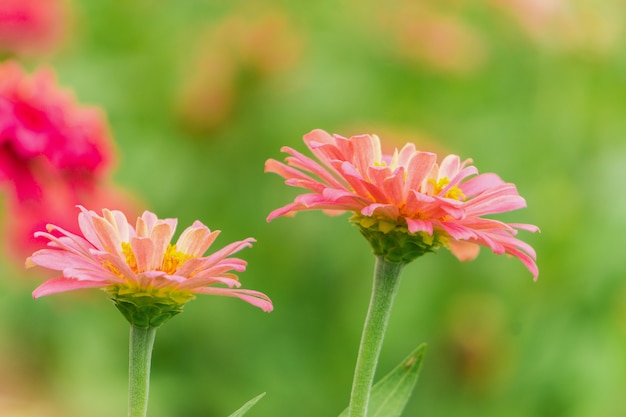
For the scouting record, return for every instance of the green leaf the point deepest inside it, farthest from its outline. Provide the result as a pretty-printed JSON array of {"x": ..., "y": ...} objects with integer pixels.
[
  {"x": 391, "y": 394},
  {"x": 247, "y": 406}
]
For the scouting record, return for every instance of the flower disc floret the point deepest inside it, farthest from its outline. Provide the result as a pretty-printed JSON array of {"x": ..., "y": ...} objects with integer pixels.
[
  {"x": 147, "y": 277},
  {"x": 406, "y": 203}
]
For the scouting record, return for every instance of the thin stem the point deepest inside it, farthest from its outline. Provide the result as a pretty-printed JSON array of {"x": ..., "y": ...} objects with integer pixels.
[
  {"x": 386, "y": 280},
  {"x": 141, "y": 343}
]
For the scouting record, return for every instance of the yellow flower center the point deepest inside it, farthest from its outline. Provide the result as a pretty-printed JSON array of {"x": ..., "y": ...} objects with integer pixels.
[
  {"x": 172, "y": 258},
  {"x": 127, "y": 250},
  {"x": 454, "y": 193}
]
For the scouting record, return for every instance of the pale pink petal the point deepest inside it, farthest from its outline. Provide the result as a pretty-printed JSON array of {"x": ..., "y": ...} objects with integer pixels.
[
  {"x": 377, "y": 175},
  {"x": 479, "y": 184},
  {"x": 141, "y": 228},
  {"x": 160, "y": 236},
  {"x": 319, "y": 139},
  {"x": 366, "y": 151},
  {"x": 450, "y": 166},
  {"x": 418, "y": 168},
  {"x": 196, "y": 239},
  {"x": 57, "y": 285},
  {"x": 359, "y": 184},
  {"x": 335, "y": 196},
  {"x": 228, "y": 250},
  {"x": 92, "y": 274},
  {"x": 305, "y": 163},
  {"x": 85, "y": 224},
  {"x": 464, "y": 173},
  {"x": 393, "y": 186},
  {"x": 499, "y": 204},
  {"x": 148, "y": 220},
  {"x": 118, "y": 221},
  {"x": 341, "y": 149},
  {"x": 255, "y": 298},
  {"x": 58, "y": 260},
  {"x": 403, "y": 157},
  {"x": 528, "y": 227},
  {"x": 143, "y": 248},
  {"x": 288, "y": 211},
  {"x": 69, "y": 242},
  {"x": 309, "y": 202},
  {"x": 108, "y": 236},
  {"x": 388, "y": 211},
  {"x": 458, "y": 231},
  {"x": 293, "y": 176},
  {"x": 203, "y": 281}
]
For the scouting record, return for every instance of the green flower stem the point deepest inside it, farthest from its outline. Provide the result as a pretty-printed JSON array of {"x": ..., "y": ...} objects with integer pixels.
[
  {"x": 386, "y": 280},
  {"x": 141, "y": 343}
]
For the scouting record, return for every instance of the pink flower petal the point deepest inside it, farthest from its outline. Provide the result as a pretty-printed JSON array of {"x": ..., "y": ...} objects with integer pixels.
[
  {"x": 143, "y": 248},
  {"x": 416, "y": 225},
  {"x": 57, "y": 285},
  {"x": 160, "y": 236},
  {"x": 196, "y": 239},
  {"x": 255, "y": 298}
]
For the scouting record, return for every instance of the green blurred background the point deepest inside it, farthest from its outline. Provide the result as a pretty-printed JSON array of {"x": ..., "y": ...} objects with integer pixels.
[{"x": 199, "y": 94}]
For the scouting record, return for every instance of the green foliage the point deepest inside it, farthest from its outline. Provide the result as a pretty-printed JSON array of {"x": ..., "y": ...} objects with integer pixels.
[
  {"x": 391, "y": 394},
  {"x": 247, "y": 406}
]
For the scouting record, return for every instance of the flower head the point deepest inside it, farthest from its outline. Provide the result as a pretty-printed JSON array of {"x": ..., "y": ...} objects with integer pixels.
[
  {"x": 406, "y": 204},
  {"x": 148, "y": 277},
  {"x": 44, "y": 133}
]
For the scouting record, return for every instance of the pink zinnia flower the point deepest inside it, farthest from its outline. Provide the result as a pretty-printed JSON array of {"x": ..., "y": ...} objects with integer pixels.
[
  {"x": 406, "y": 203},
  {"x": 143, "y": 272}
]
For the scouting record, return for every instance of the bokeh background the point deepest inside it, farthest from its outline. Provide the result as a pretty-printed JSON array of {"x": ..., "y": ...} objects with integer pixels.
[{"x": 198, "y": 94}]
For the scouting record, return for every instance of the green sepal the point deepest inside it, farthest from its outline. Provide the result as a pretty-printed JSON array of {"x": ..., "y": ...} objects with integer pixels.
[
  {"x": 247, "y": 406},
  {"x": 147, "y": 310},
  {"x": 393, "y": 241},
  {"x": 391, "y": 394}
]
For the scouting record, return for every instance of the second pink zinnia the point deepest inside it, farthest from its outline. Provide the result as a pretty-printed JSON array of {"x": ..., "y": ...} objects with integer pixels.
[{"x": 406, "y": 204}]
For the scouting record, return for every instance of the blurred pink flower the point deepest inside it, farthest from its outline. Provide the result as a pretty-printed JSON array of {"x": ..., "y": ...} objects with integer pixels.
[
  {"x": 408, "y": 192},
  {"x": 54, "y": 154},
  {"x": 31, "y": 26},
  {"x": 44, "y": 130},
  {"x": 140, "y": 265}
]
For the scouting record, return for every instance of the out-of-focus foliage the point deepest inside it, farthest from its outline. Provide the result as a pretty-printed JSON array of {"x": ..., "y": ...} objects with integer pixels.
[{"x": 532, "y": 92}]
